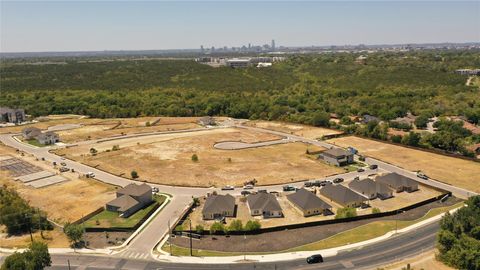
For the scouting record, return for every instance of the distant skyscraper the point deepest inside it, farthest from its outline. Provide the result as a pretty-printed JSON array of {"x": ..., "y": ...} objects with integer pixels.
[{"x": 273, "y": 44}]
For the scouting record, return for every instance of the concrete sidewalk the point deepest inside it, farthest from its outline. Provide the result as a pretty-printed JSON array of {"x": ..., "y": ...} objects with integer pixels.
[{"x": 289, "y": 255}]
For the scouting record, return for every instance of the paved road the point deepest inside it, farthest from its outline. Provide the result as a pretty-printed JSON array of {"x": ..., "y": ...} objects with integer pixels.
[{"x": 369, "y": 257}]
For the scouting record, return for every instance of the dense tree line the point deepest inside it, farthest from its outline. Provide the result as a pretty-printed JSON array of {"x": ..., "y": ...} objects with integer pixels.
[
  {"x": 19, "y": 217},
  {"x": 459, "y": 237},
  {"x": 36, "y": 257}
]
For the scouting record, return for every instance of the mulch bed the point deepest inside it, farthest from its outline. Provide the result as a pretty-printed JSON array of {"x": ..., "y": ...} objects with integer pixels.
[
  {"x": 100, "y": 240},
  {"x": 282, "y": 240}
]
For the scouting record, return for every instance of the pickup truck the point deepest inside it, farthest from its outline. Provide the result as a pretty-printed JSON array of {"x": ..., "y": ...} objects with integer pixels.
[
  {"x": 422, "y": 175},
  {"x": 288, "y": 188}
]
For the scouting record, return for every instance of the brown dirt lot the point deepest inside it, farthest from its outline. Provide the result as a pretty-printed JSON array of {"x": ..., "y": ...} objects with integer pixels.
[
  {"x": 166, "y": 159},
  {"x": 454, "y": 171},
  {"x": 425, "y": 260},
  {"x": 62, "y": 202},
  {"x": 309, "y": 132}
]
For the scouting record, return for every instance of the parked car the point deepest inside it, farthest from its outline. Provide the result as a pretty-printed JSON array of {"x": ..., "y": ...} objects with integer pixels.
[
  {"x": 245, "y": 192},
  {"x": 308, "y": 184},
  {"x": 361, "y": 158},
  {"x": 422, "y": 175},
  {"x": 317, "y": 183},
  {"x": 90, "y": 175},
  {"x": 248, "y": 186},
  {"x": 155, "y": 190},
  {"x": 356, "y": 178},
  {"x": 337, "y": 180},
  {"x": 63, "y": 164},
  {"x": 317, "y": 258},
  {"x": 228, "y": 187},
  {"x": 360, "y": 170},
  {"x": 373, "y": 166},
  {"x": 288, "y": 188},
  {"x": 64, "y": 169},
  {"x": 262, "y": 191}
]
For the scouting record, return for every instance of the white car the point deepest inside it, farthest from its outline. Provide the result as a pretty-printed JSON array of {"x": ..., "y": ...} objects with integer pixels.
[
  {"x": 90, "y": 175},
  {"x": 228, "y": 188},
  {"x": 248, "y": 187}
]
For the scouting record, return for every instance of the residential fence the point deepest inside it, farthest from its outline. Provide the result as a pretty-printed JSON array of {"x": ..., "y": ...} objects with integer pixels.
[
  {"x": 316, "y": 223},
  {"x": 87, "y": 217}
]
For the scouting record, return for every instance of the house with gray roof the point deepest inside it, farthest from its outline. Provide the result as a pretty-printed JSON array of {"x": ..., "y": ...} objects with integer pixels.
[
  {"x": 48, "y": 137},
  {"x": 343, "y": 195},
  {"x": 371, "y": 189},
  {"x": 337, "y": 156},
  {"x": 30, "y": 133},
  {"x": 130, "y": 199},
  {"x": 308, "y": 203},
  {"x": 264, "y": 204},
  {"x": 398, "y": 182},
  {"x": 10, "y": 115},
  {"x": 218, "y": 206}
]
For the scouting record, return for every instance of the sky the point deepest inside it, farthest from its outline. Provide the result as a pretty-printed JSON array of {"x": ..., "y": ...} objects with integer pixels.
[{"x": 134, "y": 25}]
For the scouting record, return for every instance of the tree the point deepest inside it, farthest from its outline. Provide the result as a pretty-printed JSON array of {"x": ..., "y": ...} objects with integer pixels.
[
  {"x": 252, "y": 225},
  {"x": 93, "y": 151},
  {"x": 74, "y": 232},
  {"x": 134, "y": 174},
  {"x": 376, "y": 210},
  {"x": 236, "y": 225},
  {"x": 195, "y": 201},
  {"x": 217, "y": 227},
  {"x": 412, "y": 139},
  {"x": 346, "y": 212},
  {"x": 116, "y": 147},
  {"x": 194, "y": 158},
  {"x": 321, "y": 119},
  {"x": 421, "y": 121},
  {"x": 458, "y": 239},
  {"x": 199, "y": 229},
  {"x": 36, "y": 257}
]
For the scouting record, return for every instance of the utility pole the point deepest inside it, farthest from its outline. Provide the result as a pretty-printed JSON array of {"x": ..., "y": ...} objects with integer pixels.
[
  {"x": 244, "y": 246},
  {"x": 191, "y": 243},
  {"x": 29, "y": 226},
  {"x": 68, "y": 262}
]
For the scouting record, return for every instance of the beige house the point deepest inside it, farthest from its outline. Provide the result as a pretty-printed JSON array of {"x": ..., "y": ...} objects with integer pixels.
[
  {"x": 218, "y": 206},
  {"x": 308, "y": 203}
]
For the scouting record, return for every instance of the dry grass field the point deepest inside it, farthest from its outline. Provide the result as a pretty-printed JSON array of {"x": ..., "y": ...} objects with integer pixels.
[
  {"x": 454, "y": 171},
  {"x": 93, "y": 128},
  {"x": 166, "y": 159},
  {"x": 425, "y": 261},
  {"x": 309, "y": 132},
  {"x": 54, "y": 238}
]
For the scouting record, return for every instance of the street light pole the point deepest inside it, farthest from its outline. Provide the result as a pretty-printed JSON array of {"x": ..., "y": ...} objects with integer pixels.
[{"x": 244, "y": 247}]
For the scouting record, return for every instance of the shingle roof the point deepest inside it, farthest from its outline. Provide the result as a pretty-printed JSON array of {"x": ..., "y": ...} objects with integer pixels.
[
  {"x": 219, "y": 204},
  {"x": 341, "y": 194},
  {"x": 135, "y": 190},
  {"x": 305, "y": 200},
  {"x": 336, "y": 152},
  {"x": 396, "y": 180},
  {"x": 124, "y": 202},
  {"x": 369, "y": 186},
  {"x": 264, "y": 201}
]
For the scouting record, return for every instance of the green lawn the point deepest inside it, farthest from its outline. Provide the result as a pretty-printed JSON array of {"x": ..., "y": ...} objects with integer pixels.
[
  {"x": 34, "y": 142},
  {"x": 108, "y": 219},
  {"x": 358, "y": 234}
]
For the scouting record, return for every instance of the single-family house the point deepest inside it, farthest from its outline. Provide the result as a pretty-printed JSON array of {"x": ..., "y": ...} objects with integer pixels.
[
  {"x": 337, "y": 156},
  {"x": 130, "y": 199},
  {"x": 48, "y": 137},
  {"x": 264, "y": 204},
  {"x": 218, "y": 206},
  {"x": 30, "y": 133},
  {"x": 12, "y": 115},
  {"x": 366, "y": 118},
  {"x": 308, "y": 203},
  {"x": 343, "y": 195},
  {"x": 371, "y": 189},
  {"x": 207, "y": 121},
  {"x": 398, "y": 182}
]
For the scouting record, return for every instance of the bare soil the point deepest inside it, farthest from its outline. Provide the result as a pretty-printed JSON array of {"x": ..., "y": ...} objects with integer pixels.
[{"x": 309, "y": 132}]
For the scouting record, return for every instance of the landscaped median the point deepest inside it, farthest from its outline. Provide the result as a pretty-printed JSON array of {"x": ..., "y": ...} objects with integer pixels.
[{"x": 359, "y": 234}]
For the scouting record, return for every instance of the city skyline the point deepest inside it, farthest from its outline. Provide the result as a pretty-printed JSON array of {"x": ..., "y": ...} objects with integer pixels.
[{"x": 99, "y": 26}]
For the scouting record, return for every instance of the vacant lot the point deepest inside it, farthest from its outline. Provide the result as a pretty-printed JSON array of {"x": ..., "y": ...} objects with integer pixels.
[
  {"x": 454, "y": 171},
  {"x": 54, "y": 238},
  {"x": 167, "y": 159},
  {"x": 309, "y": 132}
]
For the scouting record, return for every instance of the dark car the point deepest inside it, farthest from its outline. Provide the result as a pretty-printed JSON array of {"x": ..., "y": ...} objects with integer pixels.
[
  {"x": 361, "y": 158},
  {"x": 245, "y": 192},
  {"x": 308, "y": 184},
  {"x": 337, "y": 180},
  {"x": 360, "y": 170},
  {"x": 373, "y": 166},
  {"x": 288, "y": 188},
  {"x": 317, "y": 258}
]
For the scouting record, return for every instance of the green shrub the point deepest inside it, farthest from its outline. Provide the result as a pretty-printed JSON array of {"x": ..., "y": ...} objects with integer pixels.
[
  {"x": 253, "y": 225},
  {"x": 346, "y": 212},
  {"x": 194, "y": 158}
]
